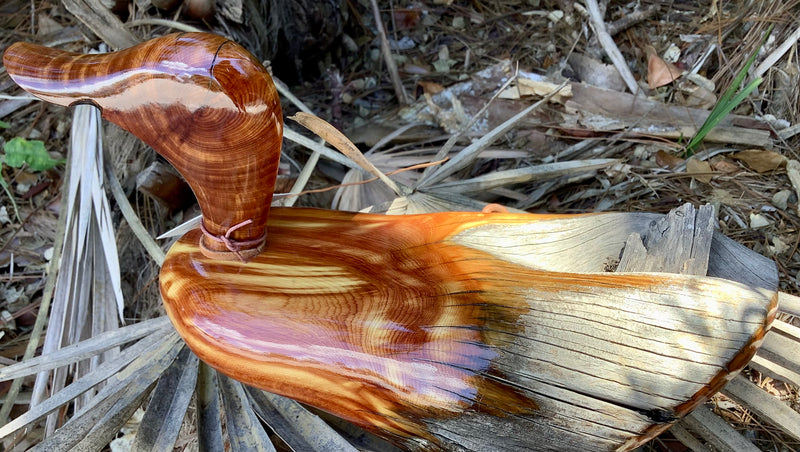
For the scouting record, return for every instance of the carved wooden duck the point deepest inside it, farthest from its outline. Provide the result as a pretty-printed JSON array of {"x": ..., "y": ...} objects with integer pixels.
[{"x": 454, "y": 331}]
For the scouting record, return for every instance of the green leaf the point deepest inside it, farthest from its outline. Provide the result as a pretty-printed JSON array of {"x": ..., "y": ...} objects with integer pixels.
[
  {"x": 4, "y": 125},
  {"x": 20, "y": 151}
]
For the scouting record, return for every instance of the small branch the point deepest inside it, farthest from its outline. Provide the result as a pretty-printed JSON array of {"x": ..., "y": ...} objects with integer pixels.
[
  {"x": 138, "y": 229},
  {"x": 611, "y": 49},
  {"x": 302, "y": 180},
  {"x": 624, "y": 22},
  {"x": 399, "y": 90},
  {"x": 631, "y": 19}
]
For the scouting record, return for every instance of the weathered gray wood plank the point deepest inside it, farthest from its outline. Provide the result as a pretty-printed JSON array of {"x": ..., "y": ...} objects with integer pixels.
[
  {"x": 687, "y": 438},
  {"x": 731, "y": 260},
  {"x": 717, "y": 432},
  {"x": 677, "y": 243},
  {"x": 774, "y": 370},
  {"x": 764, "y": 405},
  {"x": 781, "y": 350},
  {"x": 585, "y": 243},
  {"x": 594, "y": 243},
  {"x": 789, "y": 304},
  {"x": 680, "y": 252},
  {"x": 788, "y": 330}
]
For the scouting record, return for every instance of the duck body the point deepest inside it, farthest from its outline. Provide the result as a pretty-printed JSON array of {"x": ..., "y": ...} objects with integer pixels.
[{"x": 403, "y": 326}]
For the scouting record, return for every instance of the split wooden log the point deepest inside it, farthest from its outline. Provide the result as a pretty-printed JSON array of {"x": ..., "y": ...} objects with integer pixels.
[
  {"x": 449, "y": 331},
  {"x": 680, "y": 243}
]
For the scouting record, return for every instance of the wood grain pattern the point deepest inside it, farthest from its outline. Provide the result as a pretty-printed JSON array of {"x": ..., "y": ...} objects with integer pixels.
[
  {"x": 200, "y": 100},
  {"x": 453, "y": 331},
  {"x": 395, "y": 324}
]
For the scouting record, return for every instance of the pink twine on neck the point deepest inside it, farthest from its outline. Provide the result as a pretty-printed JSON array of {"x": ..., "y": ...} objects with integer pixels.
[{"x": 235, "y": 246}]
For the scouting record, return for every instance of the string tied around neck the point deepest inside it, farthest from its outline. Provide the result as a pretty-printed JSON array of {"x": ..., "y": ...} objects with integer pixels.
[{"x": 235, "y": 246}]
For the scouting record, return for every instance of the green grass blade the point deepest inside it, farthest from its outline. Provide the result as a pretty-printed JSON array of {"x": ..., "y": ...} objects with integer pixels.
[
  {"x": 729, "y": 100},
  {"x": 718, "y": 114}
]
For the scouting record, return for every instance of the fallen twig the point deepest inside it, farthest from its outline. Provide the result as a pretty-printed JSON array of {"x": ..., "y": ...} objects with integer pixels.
[
  {"x": 399, "y": 90},
  {"x": 138, "y": 229},
  {"x": 631, "y": 19},
  {"x": 611, "y": 49},
  {"x": 469, "y": 153}
]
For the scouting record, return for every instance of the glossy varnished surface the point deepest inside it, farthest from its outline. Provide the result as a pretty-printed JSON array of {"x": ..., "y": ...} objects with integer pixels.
[
  {"x": 391, "y": 323},
  {"x": 436, "y": 331},
  {"x": 202, "y": 101},
  {"x": 384, "y": 331}
]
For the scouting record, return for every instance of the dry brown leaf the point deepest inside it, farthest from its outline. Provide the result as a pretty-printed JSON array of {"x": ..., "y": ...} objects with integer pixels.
[
  {"x": 406, "y": 18},
  {"x": 337, "y": 139},
  {"x": 695, "y": 96},
  {"x": 596, "y": 73},
  {"x": 666, "y": 160},
  {"x": 761, "y": 160},
  {"x": 699, "y": 169},
  {"x": 659, "y": 72},
  {"x": 539, "y": 88},
  {"x": 726, "y": 166},
  {"x": 430, "y": 87}
]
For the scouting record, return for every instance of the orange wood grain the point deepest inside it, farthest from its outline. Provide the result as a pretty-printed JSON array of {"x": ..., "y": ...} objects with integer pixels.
[
  {"x": 389, "y": 323},
  {"x": 386, "y": 330},
  {"x": 200, "y": 100}
]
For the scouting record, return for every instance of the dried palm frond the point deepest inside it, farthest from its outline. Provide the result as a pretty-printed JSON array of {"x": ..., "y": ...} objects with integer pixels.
[{"x": 88, "y": 294}]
